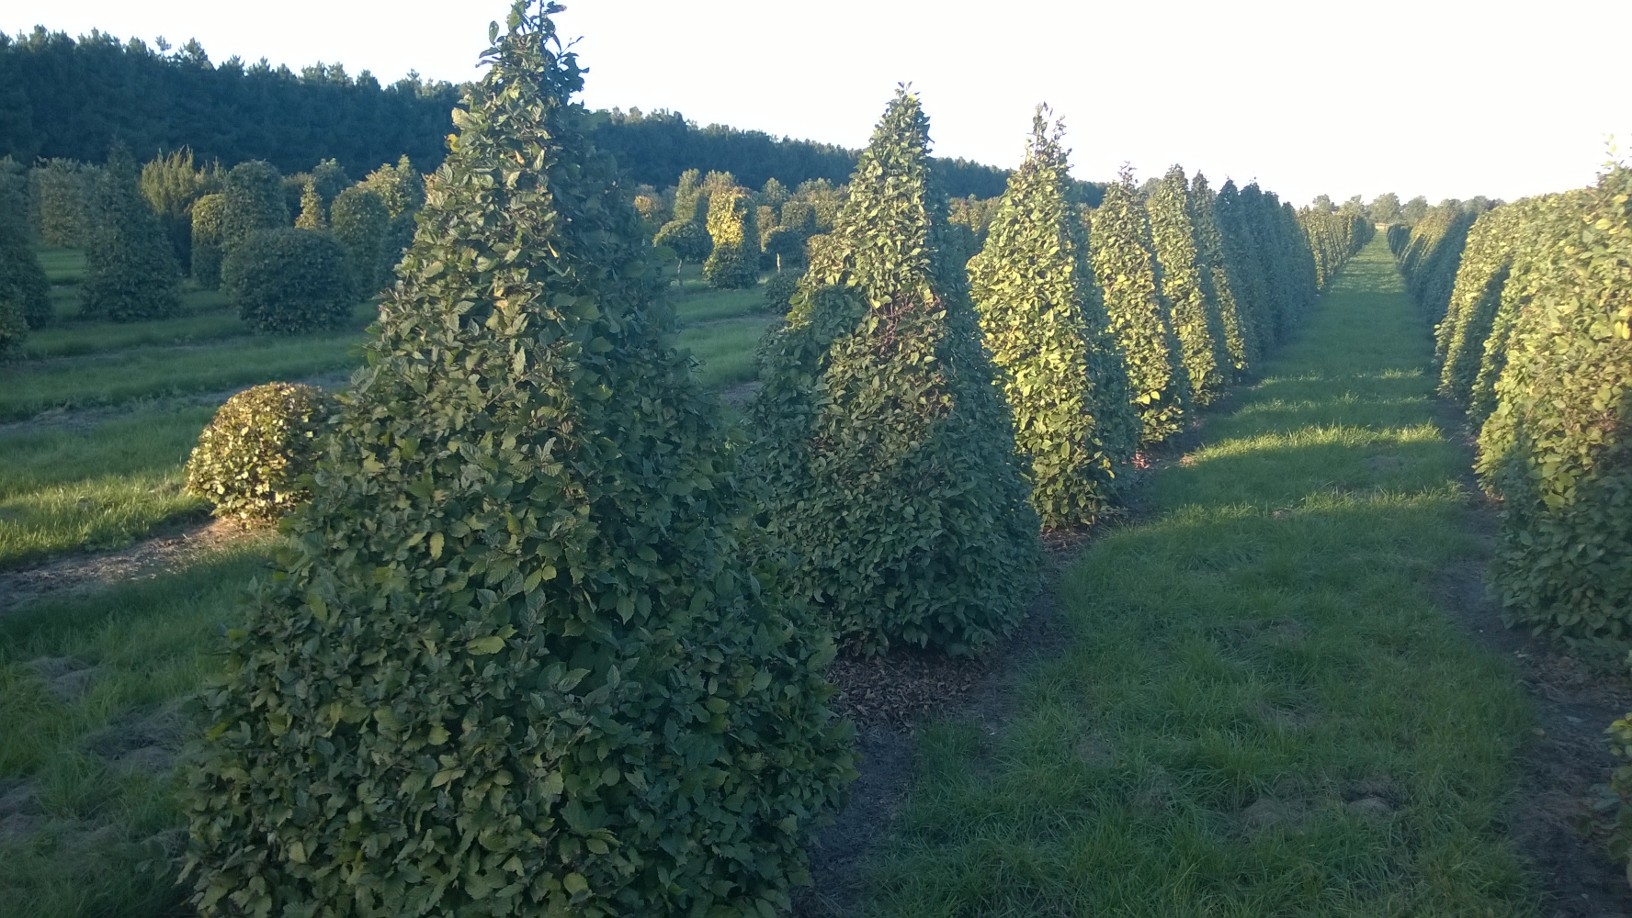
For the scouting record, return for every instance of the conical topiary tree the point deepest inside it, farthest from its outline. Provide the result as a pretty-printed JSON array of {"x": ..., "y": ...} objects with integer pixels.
[
  {"x": 1186, "y": 282},
  {"x": 1246, "y": 269},
  {"x": 25, "y": 293},
  {"x": 1240, "y": 341},
  {"x": 509, "y": 664},
  {"x": 889, "y": 480},
  {"x": 1057, "y": 365},
  {"x": 312, "y": 216},
  {"x": 1126, "y": 270},
  {"x": 733, "y": 262},
  {"x": 130, "y": 272}
]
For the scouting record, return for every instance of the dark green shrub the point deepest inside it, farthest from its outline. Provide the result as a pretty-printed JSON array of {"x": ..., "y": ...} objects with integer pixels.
[
  {"x": 253, "y": 200},
  {"x": 1557, "y": 448},
  {"x": 130, "y": 271},
  {"x": 288, "y": 281},
  {"x": 1247, "y": 272},
  {"x": 171, "y": 184},
  {"x": 59, "y": 193},
  {"x": 890, "y": 484},
  {"x": 1186, "y": 286},
  {"x": 1121, "y": 251},
  {"x": 252, "y": 460},
  {"x": 359, "y": 221},
  {"x": 509, "y": 664},
  {"x": 328, "y": 179},
  {"x": 689, "y": 241},
  {"x": 783, "y": 247},
  {"x": 1045, "y": 327},
  {"x": 25, "y": 293},
  {"x": 733, "y": 261},
  {"x": 1240, "y": 342},
  {"x": 206, "y": 248},
  {"x": 1487, "y": 257},
  {"x": 779, "y": 290}
]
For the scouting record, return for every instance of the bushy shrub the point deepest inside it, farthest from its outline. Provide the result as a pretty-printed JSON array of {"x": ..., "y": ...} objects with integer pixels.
[
  {"x": 779, "y": 289},
  {"x": 313, "y": 215},
  {"x": 252, "y": 460},
  {"x": 172, "y": 184},
  {"x": 130, "y": 271},
  {"x": 1240, "y": 341},
  {"x": 885, "y": 456},
  {"x": 254, "y": 199},
  {"x": 1186, "y": 285},
  {"x": 401, "y": 188},
  {"x": 510, "y": 664},
  {"x": 1158, "y": 386},
  {"x": 1042, "y": 320},
  {"x": 288, "y": 281},
  {"x": 206, "y": 248},
  {"x": 733, "y": 260},
  {"x": 25, "y": 293},
  {"x": 59, "y": 193},
  {"x": 783, "y": 247},
  {"x": 359, "y": 221},
  {"x": 1487, "y": 258},
  {"x": 689, "y": 241}
]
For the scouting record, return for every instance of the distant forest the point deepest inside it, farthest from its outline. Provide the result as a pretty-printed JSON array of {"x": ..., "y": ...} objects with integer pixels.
[{"x": 72, "y": 98}]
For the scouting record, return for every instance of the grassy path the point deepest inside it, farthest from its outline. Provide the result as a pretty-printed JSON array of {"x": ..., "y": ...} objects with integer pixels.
[{"x": 1261, "y": 710}]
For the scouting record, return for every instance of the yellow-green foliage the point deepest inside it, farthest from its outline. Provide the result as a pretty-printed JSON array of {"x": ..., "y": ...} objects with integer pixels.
[
  {"x": 1429, "y": 257},
  {"x": 1186, "y": 281},
  {"x": 251, "y": 461},
  {"x": 1557, "y": 447},
  {"x": 1487, "y": 257},
  {"x": 1158, "y": 386},
  {"x": 358, "y": 218},
  {"x": 510, "y": 663},
  {"x": 886, "y": 459},
  {"x": 1044, "y": 324},
  {"x": 732, "y": 226},
  {"x": 206, "y": 249}
]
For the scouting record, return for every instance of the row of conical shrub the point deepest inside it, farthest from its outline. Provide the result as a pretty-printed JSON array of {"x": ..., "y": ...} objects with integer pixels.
[
  {"x": 1536, "y": 342},
  {"x": 519, "y": 656}
]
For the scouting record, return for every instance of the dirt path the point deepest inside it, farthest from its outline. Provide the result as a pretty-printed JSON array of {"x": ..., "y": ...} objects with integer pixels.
[{"x": 78, "y": 574}]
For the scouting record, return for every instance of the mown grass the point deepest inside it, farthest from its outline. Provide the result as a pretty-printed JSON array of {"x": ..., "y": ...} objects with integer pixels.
[
  {"x": 98, "y": 485},
  {"x": 72, "y": 339},
  {"x": 1261, "y": 711},
  {"x": 92, "y": 698}
]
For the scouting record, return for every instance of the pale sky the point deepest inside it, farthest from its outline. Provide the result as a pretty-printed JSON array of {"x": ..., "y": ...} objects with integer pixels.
[{"x": 1442, "y": 99}]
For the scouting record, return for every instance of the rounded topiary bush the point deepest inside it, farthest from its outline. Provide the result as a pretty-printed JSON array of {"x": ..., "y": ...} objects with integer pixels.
[
  {"x": 779, "y": 290},
  {"x": 251, "y": 461},
  {"x": 288, "y": 281}
]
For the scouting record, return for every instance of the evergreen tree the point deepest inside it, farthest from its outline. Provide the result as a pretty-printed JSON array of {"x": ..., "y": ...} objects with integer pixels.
[
  {"x": 509, "y": 664},
  {"x": 733, "y": 262},
  {"x": 1240, "y": 343},
  {"x": 171, "y": 184},
  {"x": 1157, "y": 384},
  {"x": 890, "y": 484},
  {"x": 1186, "y": 285},
  {"x": 130, "y": 272},
  {"x": 1040, "y": 314}
]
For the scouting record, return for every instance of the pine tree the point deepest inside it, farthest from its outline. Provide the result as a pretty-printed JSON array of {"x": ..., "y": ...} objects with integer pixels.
[
  {"x": 1186, "y": 281},
  {"x": 1040, "y": 315},
  {"x": 130, "y": 272},
  {"x": 509, "y": 664},
  {"x": 1126, "y": 270},
  {"x": 890, "y": 484}
]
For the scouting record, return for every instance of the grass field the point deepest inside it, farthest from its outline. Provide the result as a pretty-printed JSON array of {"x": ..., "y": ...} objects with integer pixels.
[{"x": 1260, "y": 711}]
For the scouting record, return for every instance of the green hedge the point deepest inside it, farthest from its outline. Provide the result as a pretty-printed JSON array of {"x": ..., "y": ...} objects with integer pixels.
[{"x": 288, "y": 281}]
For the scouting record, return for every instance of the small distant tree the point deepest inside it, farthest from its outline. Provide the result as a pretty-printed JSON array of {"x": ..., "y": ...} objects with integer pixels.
[
  {"x": 328, "y": 179},
  {"x": 130, "y": 272},
  {"x": 171, "y": 184},
  {"x": 1186, "y": 286},
  {"x": 206, "y": 239},
  {"x": 1414, "y": 210},
  {"x": 782, "y": 248},
  {"x": 733, "y": 262},
  {"x": 688, "y": 197},
  {"x": 401, "y": 188},
  {"x": 312, "y": 216},
  {"x": 1158, "y": 385},
  {"x": 359, "y": 221},
  {"x": 253, "y": 199},
  {"x": 288, "y": 281},
  {"x": 59, "y": 190},
  {"x": 688, "y": 240},
  {"x": 1385, "y": 209}
]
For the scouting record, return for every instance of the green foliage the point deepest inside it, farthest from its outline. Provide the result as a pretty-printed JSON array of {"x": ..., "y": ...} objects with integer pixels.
[
  {"x": 206, "y": 247},
  {"x": 689, "y": 241},
  {"x": 171, "y": 184},
  {"x": 130, "y": 272},
  {"x": 688, "y": 198},
  {"x": 401, "y": 188},
  {"x": 25, "y": 293},
  {"x": 779, "y": 290},
  {"x": 1186, "y": 286},
  {"x": 1246, "y": 270},
  {"x": 1431, "y": 254},
  {"x": 359, "y": 221},
  {"x": 889, "y": 481},
  {"x": 782, "y": 247},
  {"x": 1620, "y": 785},
  {"x": 312, "y": 212},
  {"x": 1240, "y": 341},
  {"x": 510, "y": 664},
  {"x": 1557, "y": 447},
  {"x": 59, "y": 190},
  {"x": 253, "y": 460},
  {"x": 1158, "y": 384},
  {"x": 733, "y": 262},
  {"x": 328, "y": 179},
  {"x": 253, "y": 200},
  {"x": 1481, "y": 275},
  {"x": 288, "y": 281},
  {"x": 1043, "y": 323}
]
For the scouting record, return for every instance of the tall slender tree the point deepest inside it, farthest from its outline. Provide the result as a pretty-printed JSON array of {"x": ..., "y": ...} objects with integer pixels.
[
  {"x": 130, "y": 272},
  {"x": 1060, "y": 370},
  {"x": 890, "y": 484},
  {"x": 1240, "y": 341},
  {"x": 1186, "y": 281},
  {"x": 509, "y": 664}
]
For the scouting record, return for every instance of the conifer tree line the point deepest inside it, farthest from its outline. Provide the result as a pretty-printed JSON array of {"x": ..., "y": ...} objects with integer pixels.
[{"x": 1533, "y": 336}]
